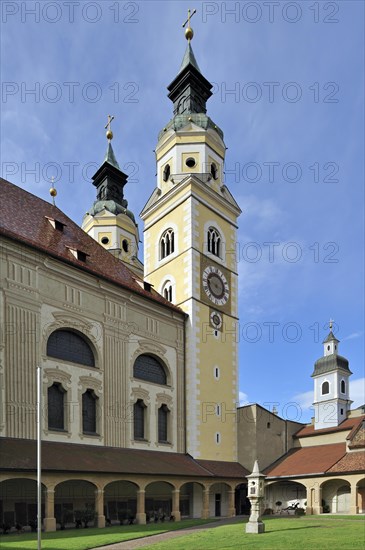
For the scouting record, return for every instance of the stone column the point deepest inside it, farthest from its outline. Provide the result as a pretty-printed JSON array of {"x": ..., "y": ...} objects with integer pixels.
[
  {"x": 141, "y": 511},
  {"x": 176, "y": 504},
  {"x": 317, "y": 504},
  {"x": 354, "y": 504},
  {"x": 205, "y": 509},
  {"x": 49, "y": 521},
  {"x": 231, "y": 506},
  {"x": 99, "y": 508}
]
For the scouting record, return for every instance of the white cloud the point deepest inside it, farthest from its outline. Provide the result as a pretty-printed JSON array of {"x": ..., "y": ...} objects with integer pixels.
[
  {"x": 243, "y": 398},
  {"x": 352, "y": 336}
]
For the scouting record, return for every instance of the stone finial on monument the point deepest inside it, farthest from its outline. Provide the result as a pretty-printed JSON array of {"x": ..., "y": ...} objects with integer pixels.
[{"x": 255, "y": 494}]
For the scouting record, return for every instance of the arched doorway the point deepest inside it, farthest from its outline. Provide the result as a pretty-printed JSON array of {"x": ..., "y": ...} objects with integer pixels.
[
  {"x": 191, "y": 500},
  {"x": 75, "y": 503},
  {"x": 241, "y": 502},
  {"x": 218, "y": 501},
  {"x": 158, "y": 497},
  {"x": 281, "y": 496},
  {"x": 120, "y": 502},
  {"x": 336, "y": 496},
  {"x": 18, "y": 503}
]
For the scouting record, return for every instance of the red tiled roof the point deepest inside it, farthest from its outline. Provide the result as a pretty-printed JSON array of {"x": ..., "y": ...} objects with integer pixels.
[
  {"x": 307, "y": 460},
  {"x": 24, "y": 218},
  {"x": 347, "y": 424},
  {"x": 351, "y": 462},
  {"x": 224, "y": 469},
  {"x": 21, "y": 454}
]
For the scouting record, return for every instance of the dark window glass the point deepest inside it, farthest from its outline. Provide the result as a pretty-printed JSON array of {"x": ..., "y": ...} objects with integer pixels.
[
  {"x": 214, "y": 242},
  {"x": 56, "y": 407},
  {"x": 325, "y": 388},
  {"x": 89, "y": 412},
  {"x": 167, "y": 244},
  {"x": 150, "y": 369},
  {"x": 343, "y": 386},
  {"x": 139, "y": 412},
  {"x": 163, "y": 413},
  {"x": 166, "y": 172},
  {"x": 70, "y": 346}
]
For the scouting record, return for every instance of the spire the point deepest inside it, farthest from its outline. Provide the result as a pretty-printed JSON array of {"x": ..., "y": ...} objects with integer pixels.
[
  {"x": 109, "y": 181},
  {"x": 189, "y": 57},
  {"x": 190, "y": 90}
]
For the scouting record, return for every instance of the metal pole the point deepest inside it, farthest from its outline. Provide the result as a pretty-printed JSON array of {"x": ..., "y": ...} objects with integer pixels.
[{"x": 39, "y": 437}]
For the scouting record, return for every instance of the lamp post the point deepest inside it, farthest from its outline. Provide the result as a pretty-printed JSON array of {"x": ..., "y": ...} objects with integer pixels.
[{"x": 39, "y": 457}]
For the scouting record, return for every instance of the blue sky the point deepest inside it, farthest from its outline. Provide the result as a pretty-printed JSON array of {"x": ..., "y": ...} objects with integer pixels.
[{"x": 288, "y": 81}]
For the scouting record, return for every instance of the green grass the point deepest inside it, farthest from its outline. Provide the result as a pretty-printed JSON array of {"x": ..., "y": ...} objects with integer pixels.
[
  {"x": 83, "y": 539},
  {"x": 280, "y": 533}
]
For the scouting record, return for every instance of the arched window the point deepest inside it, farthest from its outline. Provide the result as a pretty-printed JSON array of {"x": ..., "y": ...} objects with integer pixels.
[
  {"x": 166, "y": 172},
  {"x": 343, "y": 386},
  {"x": 214, "y": 241},
  {"x": 139, "y": 410},
  {"x": 325, "y": 388},
  {"x": 167, "y": 291},
  {"x": 214, "y": 170},
  {"x": 70, "y": 346},
  {"x": 163, "y": 415},
  {"x": 89, "y": 400},
  {"x": 147, "y": 367},
  {"x": 167, "y": 243},
  {"x": 56, "y": 402}
]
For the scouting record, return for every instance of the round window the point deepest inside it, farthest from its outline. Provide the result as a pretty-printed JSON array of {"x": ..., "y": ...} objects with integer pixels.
[
  {"x": 190, "y": 162},
  {"x": 105, "y": 240}
]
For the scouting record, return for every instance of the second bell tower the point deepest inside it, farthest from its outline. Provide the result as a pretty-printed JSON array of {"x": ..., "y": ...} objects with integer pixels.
[{"x": 190, "y": 244}]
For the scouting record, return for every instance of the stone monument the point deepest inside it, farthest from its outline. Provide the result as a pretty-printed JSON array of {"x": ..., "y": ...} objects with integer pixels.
[{"x": 255, "y": 494}]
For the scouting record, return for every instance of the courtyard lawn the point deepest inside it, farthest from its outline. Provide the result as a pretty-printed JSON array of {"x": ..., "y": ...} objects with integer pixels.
[
  {"x": 83, "y": 539},
  {"x": 281, "y": 533}
]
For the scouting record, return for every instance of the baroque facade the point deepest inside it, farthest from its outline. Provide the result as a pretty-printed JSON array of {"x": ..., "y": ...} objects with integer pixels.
[{"x": 139, "y": 368}]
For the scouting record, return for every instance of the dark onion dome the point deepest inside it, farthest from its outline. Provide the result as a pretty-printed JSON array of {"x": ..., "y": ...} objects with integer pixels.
[
  {"x": 111, "y": 206},
  {"x": 330, "y": 363}
]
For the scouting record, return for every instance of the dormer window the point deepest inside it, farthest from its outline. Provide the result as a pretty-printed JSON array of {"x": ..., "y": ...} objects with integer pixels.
[
  {"x": 56, "y": 224},
  {"x": 79, "y": 254}
]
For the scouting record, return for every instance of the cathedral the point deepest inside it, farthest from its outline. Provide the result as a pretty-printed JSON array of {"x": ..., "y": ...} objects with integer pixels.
[{"x": 139, "y": 361}]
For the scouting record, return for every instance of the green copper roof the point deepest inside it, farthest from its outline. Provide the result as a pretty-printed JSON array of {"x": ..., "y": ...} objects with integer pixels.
[
  {"x": 200, "y": 119},
  {"x": 189, "y": 57},
  {"x": 330, "y": 363},
  {"x": 110, "y": 157}
]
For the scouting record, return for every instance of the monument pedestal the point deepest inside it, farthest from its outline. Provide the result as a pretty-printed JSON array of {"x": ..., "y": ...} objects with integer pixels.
[{"x": 255, "y": 527}]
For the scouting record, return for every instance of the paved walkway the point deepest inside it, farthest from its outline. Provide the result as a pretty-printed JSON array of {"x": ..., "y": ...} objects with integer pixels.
[{"x": 154, "y": 539}]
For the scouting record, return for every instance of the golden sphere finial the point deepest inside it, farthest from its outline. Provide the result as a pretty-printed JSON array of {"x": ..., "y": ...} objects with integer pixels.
[
  {"x": 189, "y": 33},
  {"x": 109, "y": 133},
  {"x": 53, "y": 192}
]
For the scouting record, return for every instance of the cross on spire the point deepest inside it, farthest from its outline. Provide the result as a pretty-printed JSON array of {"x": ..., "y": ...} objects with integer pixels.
[
  {"x": 331, "y": 323},
  {"x": 189, "y": 33},
  {"x": 109, "y": 133}
]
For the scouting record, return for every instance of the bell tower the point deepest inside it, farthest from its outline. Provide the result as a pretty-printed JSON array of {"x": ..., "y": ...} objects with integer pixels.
[
  {"x": 331, "y": 385},
  {"x": 189, "y": 253},
  {"x": 109, "y": 221}
]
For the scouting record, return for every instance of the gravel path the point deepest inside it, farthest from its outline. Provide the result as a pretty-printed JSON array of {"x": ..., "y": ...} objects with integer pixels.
[{"x": 153, "y": 539}]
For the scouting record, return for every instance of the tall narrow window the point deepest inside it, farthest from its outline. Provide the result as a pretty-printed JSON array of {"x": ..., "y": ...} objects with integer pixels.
[
  {"x": 325, "y": 388},
  {"x": 343, "y": 386},
  {"x": 167, "y": 291},
  {"x": 56, "y": 402},
  {"x": 166, "y": 172},
  {"x": 214, "y": 241},
  {"x": 163, "y": 415},
  {"x": 167, "y": 243},
  {"x": 89, "y": 400},
  {"x": 139, "y": 419}
]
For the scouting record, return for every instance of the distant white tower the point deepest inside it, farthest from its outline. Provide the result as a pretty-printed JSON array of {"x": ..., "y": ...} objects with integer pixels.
[{"x": 331, "y": 385}]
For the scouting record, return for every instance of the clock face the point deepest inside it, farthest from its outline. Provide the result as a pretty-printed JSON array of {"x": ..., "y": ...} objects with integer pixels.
[{"x": 215, "y": 285}]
